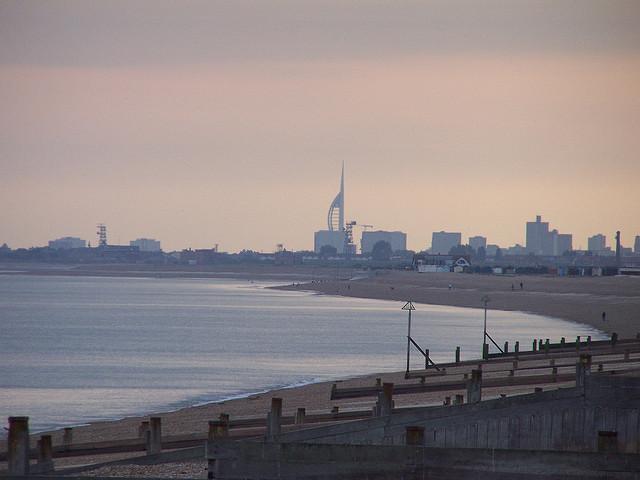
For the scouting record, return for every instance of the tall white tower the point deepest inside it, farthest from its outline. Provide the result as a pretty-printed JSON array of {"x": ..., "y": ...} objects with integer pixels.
[
  {"x": 336, "y": 235},
  {"x": 335, "y": 217}
]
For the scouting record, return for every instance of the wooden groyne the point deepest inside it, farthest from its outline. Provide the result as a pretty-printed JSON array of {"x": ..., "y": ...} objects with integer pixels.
[
  {"x": 554, "y": 364},
  {"x": 595, "y": 412}
]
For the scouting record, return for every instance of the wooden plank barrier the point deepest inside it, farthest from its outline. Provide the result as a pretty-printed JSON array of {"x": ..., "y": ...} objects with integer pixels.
[
  {"x": 409, "y": 388},
  {"x": 460, "y": 384},
  {"x": 504, "y": 367},
  {"x": 627, "y": 348},
  {"x": 241, "y": 428},
  {"x": 440, "y": 381}
]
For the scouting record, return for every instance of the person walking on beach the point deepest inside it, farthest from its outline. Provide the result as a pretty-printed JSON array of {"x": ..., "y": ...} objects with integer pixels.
[
  {"x": 521, "y": 286},
  {"x": 604, "y": 316}
]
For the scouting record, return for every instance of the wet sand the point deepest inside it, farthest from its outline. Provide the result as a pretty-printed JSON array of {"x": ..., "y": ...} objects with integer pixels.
[{"x": 314, "y": 397}]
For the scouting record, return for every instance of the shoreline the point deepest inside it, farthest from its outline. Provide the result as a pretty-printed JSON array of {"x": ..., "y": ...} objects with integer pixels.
[
  {"x": 183, "y": 405},
  {"x": 575, "y": 299},
  {"x": 187, "y": 404},
  {"x": 551, "y": 300},
  {"x": 314, "y": 395},
  {"x": 578, "y": 300},
  {"x": 238, "y": 272}
]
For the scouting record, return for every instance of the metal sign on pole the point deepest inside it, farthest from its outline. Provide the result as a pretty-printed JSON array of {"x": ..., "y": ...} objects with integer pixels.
[
  {"x": 485, "y": 346},
  {"x": 408, "y": 306},
  {"x": 425, "y": 353},
  {"x": 485, "y": 351}
]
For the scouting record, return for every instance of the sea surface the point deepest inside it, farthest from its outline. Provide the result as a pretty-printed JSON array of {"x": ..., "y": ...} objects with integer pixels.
[{"x": 80, "y": 349}]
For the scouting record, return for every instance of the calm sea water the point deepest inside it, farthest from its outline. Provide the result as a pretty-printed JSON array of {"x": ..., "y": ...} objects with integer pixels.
[{"x": 79, "y": 349}]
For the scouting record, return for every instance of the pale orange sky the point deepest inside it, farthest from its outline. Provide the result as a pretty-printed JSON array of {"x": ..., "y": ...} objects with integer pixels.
[{"x": 199, "y": 122}]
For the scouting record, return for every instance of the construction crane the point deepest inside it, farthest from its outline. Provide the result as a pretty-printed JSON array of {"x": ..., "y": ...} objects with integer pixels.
[
  {"x": 350, "y": 247},
  {"x": 102, "y": 234}
]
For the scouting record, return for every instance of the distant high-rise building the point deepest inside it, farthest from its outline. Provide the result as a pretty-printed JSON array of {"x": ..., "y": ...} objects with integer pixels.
[
  {"x": 146, "y": 244},
  {"x": 492, "y": 250},
  {"x": 335, "y": 235},
  {"x": 67, "y": 243},
  {"x": 477, "y": 242},
  {"x": 562, "y": 242},
  {"x": 541, "y": 241},
  {"x": 538, "y": 237},
  {"x": 636, "y": 245},
  {"x": 397, "y": 240},
  {"x": 442, "y": 242},
  {"x": 597, "y": 243}
]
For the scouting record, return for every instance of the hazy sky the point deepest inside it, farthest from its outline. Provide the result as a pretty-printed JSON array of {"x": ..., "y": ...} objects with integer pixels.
[{"x": 227, "y": 122}]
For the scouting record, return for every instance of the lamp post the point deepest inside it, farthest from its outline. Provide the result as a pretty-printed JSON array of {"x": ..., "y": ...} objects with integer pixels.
[
  {"x": 485, "y": 350},
  {"x": 408, "y": 306}
]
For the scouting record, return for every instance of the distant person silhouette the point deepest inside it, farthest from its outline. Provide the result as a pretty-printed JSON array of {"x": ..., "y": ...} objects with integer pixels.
[
  {"x": 512, "y": 287},
  {"x": 521, "y": 286},
  {"x": 604, "y": 316}
]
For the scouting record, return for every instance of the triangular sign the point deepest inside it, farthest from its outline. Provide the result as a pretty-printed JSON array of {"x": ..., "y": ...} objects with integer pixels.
[{"x": 408, "y": 306}]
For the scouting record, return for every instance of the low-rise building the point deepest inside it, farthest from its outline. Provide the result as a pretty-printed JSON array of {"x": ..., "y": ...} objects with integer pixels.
[
  {"x": 517, "y": 249},
  {"x": 332, "y": 238},
  {"x": 146, "y": 244},
  {"x": 67, "y": 243},
  {"x": 397, "y": 240},
  {"x": 428, "y": 263}
]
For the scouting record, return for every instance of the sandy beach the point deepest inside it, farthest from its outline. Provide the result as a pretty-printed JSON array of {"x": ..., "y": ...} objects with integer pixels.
[
  {"x": 575, "y": 299},
  {"x": 315, "y": 398}
]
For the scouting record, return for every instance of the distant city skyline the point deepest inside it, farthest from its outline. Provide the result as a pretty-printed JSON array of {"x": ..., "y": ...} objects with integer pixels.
[
  {"x": 443, "y": 241},
  {"x": 340, "y": 235},
  {"x": 200, "y": 123},
  {"x": 539, "y": 239}
]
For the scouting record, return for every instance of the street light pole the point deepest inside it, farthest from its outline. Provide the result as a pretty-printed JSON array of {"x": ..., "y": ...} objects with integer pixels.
[
  {"x": 408, "y": 306},
  {"x": 485, "y": 351},
  {"x": 408, "y": 339}
]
